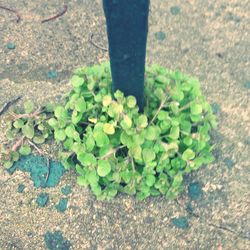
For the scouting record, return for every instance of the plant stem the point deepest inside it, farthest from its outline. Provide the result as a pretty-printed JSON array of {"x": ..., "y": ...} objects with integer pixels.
[
  {"x": 159, "y": 109},
  {"x": 35, "y": 146},
  {"x": 133, "y": 164},
  {"x": 111, "y": 152},
  {"x": 185, "y": 106},
  {"x": 32, "y": 115},
  {"x": 17, "y": 144}
]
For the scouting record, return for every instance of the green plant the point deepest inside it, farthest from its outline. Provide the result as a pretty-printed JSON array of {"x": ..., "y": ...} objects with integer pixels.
[
  {"x": 115, "y": 148},
  {"x": 27, "y": 128}
]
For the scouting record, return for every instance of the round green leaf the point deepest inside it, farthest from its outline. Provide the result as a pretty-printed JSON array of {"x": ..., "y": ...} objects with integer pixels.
[
  {"x": 152, "y": 133},
  {"x": 126, "y": 139},
  {"x": 90, "y": 143},
  {"x": 196, "y": 109},
  {"x": 25, "y": 150},
  {"x": 107, "y": 99},
  {"x": 80, "y": 105},
  {"x": 76, "y": 117},
  {"x": 177, "y": 94},
  {"x": 68, "y": 143},
  {"x": 135, "y": 152},
  {"x": 188, "y": 154},
  {"x": 53, "y": 122},
  {"x": 28, "y": 107},
  {"x": 60, "y": 135},
  {"x": 148, "y": 155},
  {"x": 92, "y": 177},
  {"x": 28, "y": 130},
  {"x": 162, "y": 79},
  {"x": 60, "y": 112},
  {"x": 163, "y": 115},
  {"x": 142, "y": 121},
  {"x": 126, "y": 176},
  {"x": 77, "y": 81},
  {"x": 150, "y": 180},
  {"x": 86, "y": 159},
  {"x": 39, "y": 139},
  {"x": 188, "y": 140},
  {"x": 126, "y": 122},
  {"x": 174, "y": 133},
  {"x": 78, "y": 147},
  {"x": 14, "y": 156},
  {"x": 8, "y": 164},
  {"x": 108, "y": 128},
  {"x": 103, "y": 168},
  {"x": 18, "y": 123},
  {"x": 82, "y": 181},
  {"x": 101, "y": 139},
  {"x": 131, "y": 101}
]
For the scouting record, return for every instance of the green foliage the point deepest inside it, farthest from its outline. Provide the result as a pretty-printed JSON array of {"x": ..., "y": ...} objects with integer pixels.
[
  {"x": 113, "y": 147},
  {"x": 26, "y": 129}
]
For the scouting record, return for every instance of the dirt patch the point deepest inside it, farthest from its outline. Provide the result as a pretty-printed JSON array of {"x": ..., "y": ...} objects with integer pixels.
[{"x": 206, "y": 40}]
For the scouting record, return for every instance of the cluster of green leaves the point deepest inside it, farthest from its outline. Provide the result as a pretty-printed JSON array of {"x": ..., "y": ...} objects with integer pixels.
[
  {"x": 25, "y": 128},
  {"x": 112, "y": 146}
]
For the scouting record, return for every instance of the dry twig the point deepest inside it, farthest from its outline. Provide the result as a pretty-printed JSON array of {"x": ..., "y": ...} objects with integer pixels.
[
  {"x": 48, "y": 173},
  {"x": 7, "y": 104},
  {"x": 159, "y": 109},
  {"x": 35, "y": 146},
  {"x": 17, "y": 144},
  {"x": 13, "y": 11},
  {"x": 96, "y": 45},
  {"x": 112, "y": 151},
  {"x": 65, "y": 7},
  {"x": 32, "y": 115}
]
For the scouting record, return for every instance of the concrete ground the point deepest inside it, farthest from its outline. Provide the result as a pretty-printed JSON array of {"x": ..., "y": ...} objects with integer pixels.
[{"x": 206, "y": 39}]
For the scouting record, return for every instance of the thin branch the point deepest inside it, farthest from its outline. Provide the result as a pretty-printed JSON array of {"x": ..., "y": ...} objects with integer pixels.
[
  {"x": 133, "y": 164},
  {"x": 65, "y": 7},
  {"x": 32, "y": 115},
  {"x": 13, "y": 11},
  {"x": 111, "y": 152},
  {"x": 6, "y": 105},
  {"x": 87, "y": 123},
  {"x": 17, "y": 144},
  {"x": 35, "y": 146},
  {"x": 185, "y": 106},
  {"x": 96, "y": 45},
  {"x": 159, "y": 109},
  {"x": 48, "y": 173}
]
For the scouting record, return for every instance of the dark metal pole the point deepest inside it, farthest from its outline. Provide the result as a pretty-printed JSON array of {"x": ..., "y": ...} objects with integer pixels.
[{"x": 127, "y": 28}]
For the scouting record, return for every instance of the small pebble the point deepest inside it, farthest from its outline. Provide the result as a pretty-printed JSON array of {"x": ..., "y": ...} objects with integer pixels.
[
  {"x": 228, "y": 162},
  {"x": 247, "y": 85},
  {"x": 62, "y": 205},
  {"x": 52, "y": 74},
  {"x": 160, "y": 35},
  {"x": 42, "y": 199},
  {"x": 20, "y": 188},
  {"x": 175, "y": 10},
  {"x": 180, "y": 222},
  {"x": 11, "y": 45},
  {"x": 66, "y": 190},
  {"x": 195, "y": 191}
]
